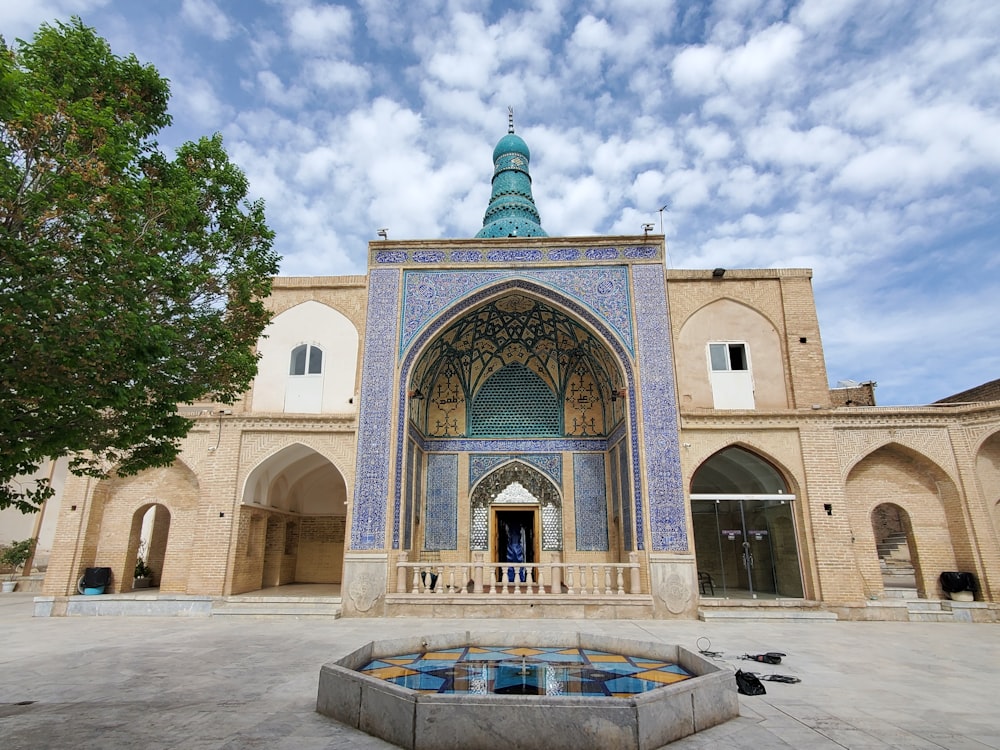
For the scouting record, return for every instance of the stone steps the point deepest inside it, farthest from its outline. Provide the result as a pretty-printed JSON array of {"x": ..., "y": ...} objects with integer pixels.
[
  {"x": 764, "y": 610},
  {"x": 277, "y": 606},
  {"x": 929, "y": 610}
]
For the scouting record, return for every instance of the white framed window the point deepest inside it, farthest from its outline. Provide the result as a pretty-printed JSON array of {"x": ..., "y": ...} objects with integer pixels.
[
  {"x": 730, "y": 375},
  {"x": 306, "y": 360},
  {"x": 728, "y": 357}
]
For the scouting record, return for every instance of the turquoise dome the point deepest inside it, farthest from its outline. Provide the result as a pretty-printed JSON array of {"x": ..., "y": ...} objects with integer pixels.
[
  {"x": 512, "y": 211},
  {"x": 511, "y": 144}
]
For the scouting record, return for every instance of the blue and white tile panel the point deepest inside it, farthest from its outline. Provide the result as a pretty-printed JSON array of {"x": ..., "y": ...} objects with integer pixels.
[{"x": 664, "y": 484}]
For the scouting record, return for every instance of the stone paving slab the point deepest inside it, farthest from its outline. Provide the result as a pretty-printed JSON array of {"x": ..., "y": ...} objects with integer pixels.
[{"x": 166, "y": 683}]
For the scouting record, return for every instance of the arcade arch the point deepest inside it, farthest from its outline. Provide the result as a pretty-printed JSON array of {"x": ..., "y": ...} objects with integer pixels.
[
  {"x": 292, "y": 523},
  {"x": 922, "y": 501},
  {"x": 513, "y": 382},
  {"x": 744, "y": 528}
]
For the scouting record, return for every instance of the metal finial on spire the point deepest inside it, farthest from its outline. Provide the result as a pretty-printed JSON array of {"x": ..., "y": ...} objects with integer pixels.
[{"x": 510, "y": 119}]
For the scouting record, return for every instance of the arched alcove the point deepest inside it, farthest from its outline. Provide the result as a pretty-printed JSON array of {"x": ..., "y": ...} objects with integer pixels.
[
  {"x": 894, "y": 474},
  {"x": 744, "y": 528},
  {"x": 308, "y": 361},
  {"x": 293, "y": 521},
  {"x": 736, "y": 327}
]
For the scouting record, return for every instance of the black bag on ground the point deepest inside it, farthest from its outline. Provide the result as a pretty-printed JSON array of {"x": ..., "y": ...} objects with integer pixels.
[
  {"x": 771, "y": 657},
  {"x": 748, "y": 684}
]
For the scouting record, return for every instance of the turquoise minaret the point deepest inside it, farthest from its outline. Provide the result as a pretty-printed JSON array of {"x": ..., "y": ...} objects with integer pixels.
[{"x": 512, "y": 211}]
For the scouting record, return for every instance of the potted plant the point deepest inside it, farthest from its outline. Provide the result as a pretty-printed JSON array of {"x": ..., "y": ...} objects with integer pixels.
[
  {"x": 15, "y": 555},
  {"x": 143, "y": 577}
]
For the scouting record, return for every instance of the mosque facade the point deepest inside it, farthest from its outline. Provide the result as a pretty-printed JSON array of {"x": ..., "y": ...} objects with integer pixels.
[{"x": 533, "y": 426}]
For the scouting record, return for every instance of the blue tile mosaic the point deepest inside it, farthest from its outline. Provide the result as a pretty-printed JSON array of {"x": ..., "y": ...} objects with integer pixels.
[
  {"x": 664, "y": 484},
  {"x": 641, "y": 252},
  {"x": 481, "y": 464},
  {"x": 461, "y": 307},
  {"x": 391, "y": 256},
  {"x": 399, "y": 256},
  {"x": 617, "y": 433},
  {"x": 411, "y": 494},
  {"x": 603, "y": 290},
  {"x": 623, "y": 488},
  {"x": 513, "y": 445},
  {"x": 514, "y": 256},
  {"x": 591, "y": 503},
  {"x": 441, "y": 512},
  {"x": 564, "y": 254},
  {"x": 374, "y": 421},
  {"x": 602, "y": 253}
]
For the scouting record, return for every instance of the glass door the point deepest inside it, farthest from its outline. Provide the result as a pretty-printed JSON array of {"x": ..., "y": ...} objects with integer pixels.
[{"x": 745, "y": 548}]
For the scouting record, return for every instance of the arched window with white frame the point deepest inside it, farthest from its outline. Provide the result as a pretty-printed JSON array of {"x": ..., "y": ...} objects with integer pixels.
[{"x": 304, "y": 389}]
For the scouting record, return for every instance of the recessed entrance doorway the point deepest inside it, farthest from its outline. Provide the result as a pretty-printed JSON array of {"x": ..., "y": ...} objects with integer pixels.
[
  {"x": 515, "y": 541},
  {"x": 744, "y": 528}
]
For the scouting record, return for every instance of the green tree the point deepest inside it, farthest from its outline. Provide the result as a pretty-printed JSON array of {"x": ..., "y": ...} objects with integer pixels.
[{"x": 130, "y": 282}]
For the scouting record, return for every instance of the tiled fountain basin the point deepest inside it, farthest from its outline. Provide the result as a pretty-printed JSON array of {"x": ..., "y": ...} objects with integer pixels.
[{"x": 432, "y": 721}]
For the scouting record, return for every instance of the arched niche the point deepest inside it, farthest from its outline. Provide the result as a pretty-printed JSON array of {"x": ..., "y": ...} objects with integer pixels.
[
  {"x": 516, "y": 484},
  {"x": 516, "y": 365},
  {"x": 728, "y": 321},
  {"x": 299, "y": 480},
  {"x": 743, "y": 518},
  {"x": 317, "y": 327},
  {"x": 896, "y": 474}
]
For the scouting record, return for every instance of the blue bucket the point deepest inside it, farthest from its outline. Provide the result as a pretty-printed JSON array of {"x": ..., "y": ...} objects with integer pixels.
[{"x": 93, "y": 591}]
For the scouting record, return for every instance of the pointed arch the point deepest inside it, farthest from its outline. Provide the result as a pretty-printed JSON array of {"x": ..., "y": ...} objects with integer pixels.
[
  {"x": 297, "y": 479},
  {"x": 735, "y": 323},
  {"x": 744, "y": 525},
  {"x": 516, "y": 482},
  {"x": 550, "y": 296},
  {"x": 902, "y": 476},
  {"x": 328, "y": 343}
]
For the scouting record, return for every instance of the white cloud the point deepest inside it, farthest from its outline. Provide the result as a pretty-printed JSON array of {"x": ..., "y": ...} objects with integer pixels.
[
  {"x": 20, "y": 19},
  {"x": 845, "y": 136},
  {"x": 205, "y": 16},
  {"x": 320, "y": 28},
  {"x": 276, "y": 91},
  {"x": 330, "y": 75}
]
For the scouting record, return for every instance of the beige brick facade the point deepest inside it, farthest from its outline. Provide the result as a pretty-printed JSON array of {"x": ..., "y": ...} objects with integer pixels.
[{"x": 938, "y": 465}]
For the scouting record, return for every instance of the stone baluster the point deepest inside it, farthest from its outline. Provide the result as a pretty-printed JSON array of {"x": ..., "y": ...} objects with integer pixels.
[
  {"x": 569, "y": 579},
  {"x": 416, "y": 581},
  {"x": 477, "y": 572},
  {"x": 493, "y": 579},
  {"x": 401, "y": 572},
  {"x": 555, "y": 576},
  {"x": 583, "y": 579},
  {"x": 439, "y": 583},
  {"x": 621, "y": 580},
  {"x": 607, "y": 580},
  {"x": 634, "y": 584}
]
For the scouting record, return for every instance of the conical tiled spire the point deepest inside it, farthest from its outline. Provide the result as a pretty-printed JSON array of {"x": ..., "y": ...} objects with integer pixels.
[{"x": 512, "y": 211}]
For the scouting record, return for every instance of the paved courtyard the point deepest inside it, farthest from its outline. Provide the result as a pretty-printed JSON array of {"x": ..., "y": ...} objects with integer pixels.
[{"x": 242, "y": 682}]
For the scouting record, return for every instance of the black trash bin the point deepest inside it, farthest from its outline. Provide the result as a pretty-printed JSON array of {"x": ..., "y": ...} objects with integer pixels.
[
  {"x": 958, "y": 583},
  {"x": 95, "y": 580}
]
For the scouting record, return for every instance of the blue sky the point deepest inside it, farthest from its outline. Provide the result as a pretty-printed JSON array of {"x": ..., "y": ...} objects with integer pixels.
[{"x": 858, "y": 138}]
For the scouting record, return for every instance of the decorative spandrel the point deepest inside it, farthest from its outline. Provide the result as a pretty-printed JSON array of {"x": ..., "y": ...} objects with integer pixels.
[
  {"x": 516, "y": 483},
  {"x": 504, "y": 369}
]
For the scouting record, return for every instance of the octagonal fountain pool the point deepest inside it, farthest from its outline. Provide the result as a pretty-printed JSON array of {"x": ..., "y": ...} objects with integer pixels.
[{"x": 504, "y": 690}]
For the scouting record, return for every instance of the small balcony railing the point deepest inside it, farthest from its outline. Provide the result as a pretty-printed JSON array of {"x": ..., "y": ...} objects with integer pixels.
[{"x": 549, "y": 578}]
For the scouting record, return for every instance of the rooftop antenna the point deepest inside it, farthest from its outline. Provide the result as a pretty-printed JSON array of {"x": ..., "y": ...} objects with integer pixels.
[
  {"x": 510, "y": 119},
  {"x": 665, "y": 207}
]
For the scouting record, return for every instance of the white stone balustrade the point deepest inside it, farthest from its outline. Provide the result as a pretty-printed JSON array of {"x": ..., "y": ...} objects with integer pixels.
[{"x": 550, "y": 578}]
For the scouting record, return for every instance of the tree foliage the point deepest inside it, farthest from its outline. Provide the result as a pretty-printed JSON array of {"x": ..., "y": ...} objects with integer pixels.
[{"x": 130, "y": 282}]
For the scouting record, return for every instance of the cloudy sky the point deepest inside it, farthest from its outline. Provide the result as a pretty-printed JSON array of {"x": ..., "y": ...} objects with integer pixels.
[{"x": 859, "y": 138}]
